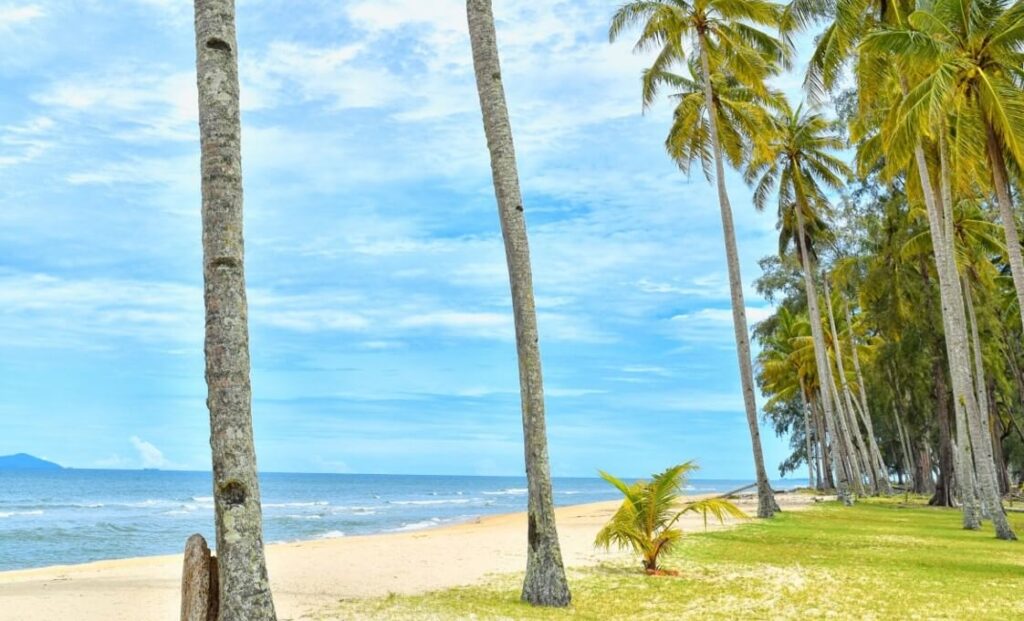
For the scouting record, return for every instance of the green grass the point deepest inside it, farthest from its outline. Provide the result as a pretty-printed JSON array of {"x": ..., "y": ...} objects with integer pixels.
[{"x": 881, "y": 559}]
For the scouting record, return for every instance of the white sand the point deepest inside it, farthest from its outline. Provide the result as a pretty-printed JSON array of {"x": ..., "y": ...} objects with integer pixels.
[{"x": 309, "y": 576}]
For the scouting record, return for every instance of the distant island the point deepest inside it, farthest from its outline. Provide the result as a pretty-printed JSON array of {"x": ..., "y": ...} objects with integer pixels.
[{"x": 23, "y": 461}]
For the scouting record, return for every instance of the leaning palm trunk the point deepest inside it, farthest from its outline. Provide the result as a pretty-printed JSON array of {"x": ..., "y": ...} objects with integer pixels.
[
  {"x": 545, "y": 583},
  {"x": 982, "y": 392},
  {"x": 954, "y": 321},
  {"x": 843, "y": 475},
  {"x": 1006, "y": 214},
  {"x": 886, "y": 486},
  {"x": 244, "y": 586},
  {"x": 865, "y": 457},
  {"x": 766, "y": 505}
]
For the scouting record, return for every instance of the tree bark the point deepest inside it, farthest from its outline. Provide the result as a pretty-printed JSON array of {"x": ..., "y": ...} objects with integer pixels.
[
  {"x": 843, "y": 475},
  {"x": 545, "y": 583},
  {"x": 807, "y": 435},
  {"x": 766, "y": 505},
  {"x": 866, "y": 458},
  {"x": 865, "y": 411},
  {"x": 198, "y": 582},
  {"x": 944, "y": 487},
  {"x": 245, "y": 587},
  {"x": 999, "y": 181}
]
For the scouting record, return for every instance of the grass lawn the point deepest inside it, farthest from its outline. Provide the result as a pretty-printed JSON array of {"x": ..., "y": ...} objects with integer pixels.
[{"x": 881, "y": 559}]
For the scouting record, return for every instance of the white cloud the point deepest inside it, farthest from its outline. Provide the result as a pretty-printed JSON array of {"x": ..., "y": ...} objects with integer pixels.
[
  {"x": 13, "y": 14},
  {"x": 480, "y": 324},
  {"x": 149, "y": 455}
]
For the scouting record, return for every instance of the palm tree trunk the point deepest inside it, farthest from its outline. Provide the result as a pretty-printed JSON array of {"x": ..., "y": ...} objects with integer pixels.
[
  {"x": 987, "y": 445},
  {"x": 807, "y": 435},
  {"x": 766, "y": 505},
  {"x": 866, "y": 459},
  {"x": 244, "y": 585},
  {"x": 842, "y": 473},
  {"x": 954, "y": 319},
  {"x": 999, "y": 181},
  {"x": 545, "y": 583},
  {"x": 858, "y": 463},
  {"x": 865, "y": 412},
  {"x": 825, "y": 456}
]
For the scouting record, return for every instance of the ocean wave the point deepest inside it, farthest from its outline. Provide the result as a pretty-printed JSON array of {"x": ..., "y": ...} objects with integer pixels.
[
  {"x": 301, "y": 517},
  {"x": 453, "y": 501},
  {"x": 7, "y": 514},
  {"x": 354, "y": 509},
  {"x": 514, "y": 491},
  {"x": 202, "y": 499},
  {"x": 285, "y": 505},
  {"x": 331, "y": 534},
  {"x": 432, "y": 522}
]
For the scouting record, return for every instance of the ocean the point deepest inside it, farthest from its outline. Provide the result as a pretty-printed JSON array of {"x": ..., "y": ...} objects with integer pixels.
[{"x": 77, "y": 516}]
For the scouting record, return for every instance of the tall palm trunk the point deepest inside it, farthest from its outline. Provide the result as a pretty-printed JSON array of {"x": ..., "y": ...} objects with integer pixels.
[
  {"x": 982, "y": 393},
  {"x": 865, "y": 412},
  {"x": 244, "y": 585},
  {"x": 766, "y": 505},
  {"x": 807, "y": 434},
  {"x": 865, "y": 457},
  {"x": 999, "y": 179},
  {"x": 843, "y": 472},
  {"x": 545, "y": 583},
  {"x": 965, "y": 404}
]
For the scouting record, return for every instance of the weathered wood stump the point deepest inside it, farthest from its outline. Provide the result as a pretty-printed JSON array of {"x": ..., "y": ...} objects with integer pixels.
[{"x": 199, "y": 586}]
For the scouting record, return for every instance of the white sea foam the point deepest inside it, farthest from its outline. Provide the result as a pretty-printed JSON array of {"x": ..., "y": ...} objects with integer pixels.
[
  {"x": 515, "y": 491},
  {"x": 453, "y": 501},
  {"x": 432, "y": 522},
  {"x": 284, "y": 505},
  {"x": 331, "y": 534},
  {"x": 302, "y": 517},
  {"x": 7, "y": 514}
]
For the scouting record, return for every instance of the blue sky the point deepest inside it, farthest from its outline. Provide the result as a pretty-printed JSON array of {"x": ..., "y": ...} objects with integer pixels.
[{"x": 381, "y": 326}]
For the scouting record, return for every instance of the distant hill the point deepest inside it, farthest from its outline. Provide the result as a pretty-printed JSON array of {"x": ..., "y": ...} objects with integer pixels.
[{"x": 21, "y": 461}]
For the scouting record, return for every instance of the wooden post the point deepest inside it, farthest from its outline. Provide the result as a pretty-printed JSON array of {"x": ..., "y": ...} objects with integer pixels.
[{"x": 199, "y": 585}]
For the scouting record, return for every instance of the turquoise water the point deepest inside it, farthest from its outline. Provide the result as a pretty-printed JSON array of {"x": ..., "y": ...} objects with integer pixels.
[{"x": 76, "y": 516}]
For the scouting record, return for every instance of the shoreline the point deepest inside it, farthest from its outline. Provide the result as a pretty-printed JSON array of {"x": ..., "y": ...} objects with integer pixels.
[{"x": 309, "y": 576}]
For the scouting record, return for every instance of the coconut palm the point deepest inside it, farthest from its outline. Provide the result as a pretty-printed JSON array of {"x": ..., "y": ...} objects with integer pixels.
[
  {"x": 977, "y": 50},
  {"x": 911, "y": 126},
  {"x": 646, "y": 520},
  {"x": 722, "y": 36},
  {"x": 786, "y": 370},
  {"x": 799, "y": 166},
  {"x": 545, "y": 583},
  {"x": 244, "y": 586}
]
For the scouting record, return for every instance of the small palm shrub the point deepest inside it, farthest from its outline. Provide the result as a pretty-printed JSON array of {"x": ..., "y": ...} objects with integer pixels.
[{"x": 646, "y": 521}]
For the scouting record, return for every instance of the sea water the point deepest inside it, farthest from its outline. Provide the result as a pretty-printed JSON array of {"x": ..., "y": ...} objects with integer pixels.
[{"x": 76, "y": 516}]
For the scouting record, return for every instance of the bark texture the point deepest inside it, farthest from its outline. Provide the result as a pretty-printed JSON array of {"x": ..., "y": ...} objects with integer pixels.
[
  {"x": 545, "y": 583},
  {"x": 999, "y": 181},
  {"x": 766, "y": 505},
  {"x": 198, "y": 582},
  {"x": 842, "y": 452},
  {"x": 245, "y": 589},
  {"x": 974, "y": 469}
]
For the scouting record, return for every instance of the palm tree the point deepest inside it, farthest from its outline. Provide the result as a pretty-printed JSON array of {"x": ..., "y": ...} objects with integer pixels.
[
  {"x": 785, "y": 370},
  {"x": 545, "y": 583},
  {"x": 910, "y": 126},
  {"x": 244, "y": 585},
  {"x": 798, "y": 162},
  {"x": 722, "y": 36},
  {"x": 976, "y": 49},
  {"x": 646, "y": 520}
]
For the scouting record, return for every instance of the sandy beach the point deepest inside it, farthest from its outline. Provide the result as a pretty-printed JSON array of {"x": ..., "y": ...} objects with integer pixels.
[{"x": 310, "y": 576}]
